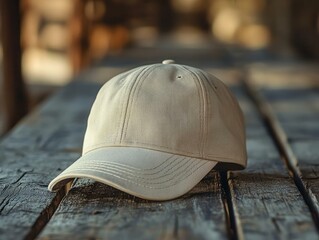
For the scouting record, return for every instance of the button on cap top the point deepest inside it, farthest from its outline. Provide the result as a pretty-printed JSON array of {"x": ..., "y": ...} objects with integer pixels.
[{"x": 168, "y": 61}]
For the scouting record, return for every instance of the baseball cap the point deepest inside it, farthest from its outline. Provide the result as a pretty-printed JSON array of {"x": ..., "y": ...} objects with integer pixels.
[{"x": 157, "y": 130}]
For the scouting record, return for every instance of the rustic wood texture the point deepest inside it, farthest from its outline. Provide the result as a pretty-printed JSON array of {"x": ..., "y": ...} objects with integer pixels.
[
  {"x": 43, "y": 144},
  {"x": 292, "y": 111},
  {"x": 299, "y": 117},
  {"x": 266, "y": 201},
  {"x": 93, "y": 210}
]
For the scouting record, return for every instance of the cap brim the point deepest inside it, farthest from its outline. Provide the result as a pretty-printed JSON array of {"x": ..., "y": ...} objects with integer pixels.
[{"x": 145, "y": 173}]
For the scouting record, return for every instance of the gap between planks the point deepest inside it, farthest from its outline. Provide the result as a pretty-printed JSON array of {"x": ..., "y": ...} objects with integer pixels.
[
  {"x": 280, "y": 138},
  {"x": 46, "y": 215},
  {"x": 232, "y": 220}
]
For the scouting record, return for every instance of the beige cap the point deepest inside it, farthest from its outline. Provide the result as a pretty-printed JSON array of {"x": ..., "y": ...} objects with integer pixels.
[{"x": 157, "y": 130}]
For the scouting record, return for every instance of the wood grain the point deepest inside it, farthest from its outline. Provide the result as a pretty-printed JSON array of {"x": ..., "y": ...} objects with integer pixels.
[
  {"x": 33, "y": 153},
  {"x": 266, "y": 200},
  {"x": 94, "y": 210},
  {"x": 299, "y": 117}
]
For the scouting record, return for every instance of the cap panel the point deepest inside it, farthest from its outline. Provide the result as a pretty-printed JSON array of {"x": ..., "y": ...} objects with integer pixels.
[
  {"x": 225, "y": 139},
  {"x": 107, "y": 111},
  {"x": 165, "y": 113}
]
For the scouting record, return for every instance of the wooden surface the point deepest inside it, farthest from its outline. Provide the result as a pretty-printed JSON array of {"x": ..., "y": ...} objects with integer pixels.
[
  {"x": 299, "y": 118},
  {"x": 265, "y": 201},
  {"x": 268, "y": 204},
  {"x": 29, "y": 157},
  {"x": 292, "y": 112},
  {"x": 92, "y": 210}
]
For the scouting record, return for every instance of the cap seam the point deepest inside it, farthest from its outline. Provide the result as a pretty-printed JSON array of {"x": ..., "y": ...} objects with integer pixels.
[
  {"x": 174, "y": 152},
  {"x": 122, "y": 110},
  {"x": 147, "y": 186},
  {"x": 202, "y": 97},
  {"x": 172, "y": 167},
  {"x": 208, "y": 111},
  {"x": 142, "y": 170},
  {"x": 135, "y": 142},
  {"x": 125, "y": 109},
  {"x": 211, "y": 84},
  {"x": 137, "y": 88}
]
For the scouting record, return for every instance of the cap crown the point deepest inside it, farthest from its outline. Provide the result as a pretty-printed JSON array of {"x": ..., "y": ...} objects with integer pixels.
[{"x": 170, "y": 108}]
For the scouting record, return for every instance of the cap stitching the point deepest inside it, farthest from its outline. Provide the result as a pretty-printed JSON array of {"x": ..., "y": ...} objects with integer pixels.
[
  {"x": 175, "y": 166},
  {"x": 202, "y": 108},
  {"x": 173, "y": 158},
  {"x": 137, "y": 88},
  {"x": 175, "y": 152},
  {"x": 209, "y": 110},
  {"x": 152, "y": 187},
  {"x": 124, "y": 110},
  {"x": 150, "y": 144},
  {"x": 200, "y": 111},
  {"x": 135, "y": 142},
  {"x": 126, "y": 92},
  {"x": 212, "y": 85},
  {"x": 231, "y": 159},
  {"x": 188, "y": 166},
  {"x": 206, "y": 110}
]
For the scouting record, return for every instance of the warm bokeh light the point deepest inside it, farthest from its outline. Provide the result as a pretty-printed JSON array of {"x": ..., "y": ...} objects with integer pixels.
[
  {"x": 104, "y": 39},
  {"x": 40, "y": 66},
  {"x": 57, "y": 10},
  {"x": 95, "y": 9},
  {"x": 253, "y": 36},
  {"x": 187, "y": 6},
  {"x": 190, "y": 37},
  {"x": 54, "y": 36},
  {"x": 145, "y": 36},
  {"x": 64, "y": 36},
  {"x": 226, "y": 24}
]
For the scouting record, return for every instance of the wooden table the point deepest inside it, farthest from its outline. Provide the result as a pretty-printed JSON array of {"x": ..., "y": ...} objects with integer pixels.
[{"x": 276, "y": 197}]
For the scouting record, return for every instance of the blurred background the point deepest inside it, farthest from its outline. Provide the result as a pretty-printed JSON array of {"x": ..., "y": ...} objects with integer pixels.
[{"x": 60, "y": 38}]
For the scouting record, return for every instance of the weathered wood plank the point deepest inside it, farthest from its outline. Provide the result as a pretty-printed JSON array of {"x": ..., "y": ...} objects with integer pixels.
[
  {"x": 57, "y": 125},
  {"x": 292, "y": 111},
  {"x": 33, "y": 153},
  {"x": 302, "y": 131},
  {"x": 267, "y": 203},
  {"x": 24, "y": 198},
  {"x": 93, "y": 210}
]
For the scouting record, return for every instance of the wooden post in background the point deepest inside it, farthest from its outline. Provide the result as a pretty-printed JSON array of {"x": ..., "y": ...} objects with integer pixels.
[{"x": 15, "y": 104}]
